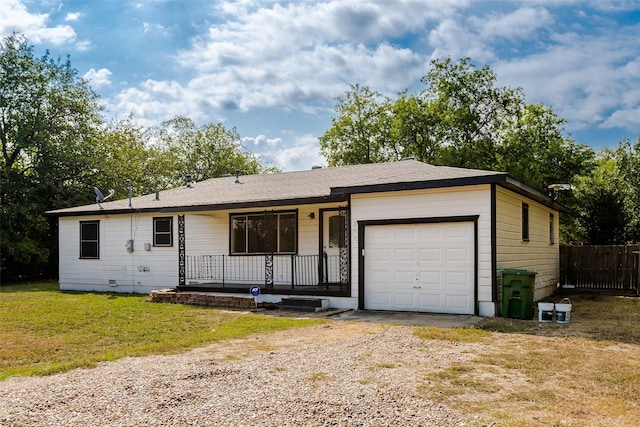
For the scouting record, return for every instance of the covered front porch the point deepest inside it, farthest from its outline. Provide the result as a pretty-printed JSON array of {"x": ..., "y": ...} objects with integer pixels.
[
  {"x": 303, "y": 271},
  {"x": 276, "y": 274}
]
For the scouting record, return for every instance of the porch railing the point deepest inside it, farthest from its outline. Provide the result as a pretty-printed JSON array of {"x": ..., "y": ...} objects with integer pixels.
[{"x": 288, "y": 270}]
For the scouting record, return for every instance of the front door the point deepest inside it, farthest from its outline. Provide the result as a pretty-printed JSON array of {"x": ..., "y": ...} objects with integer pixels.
[{"x": 332, "y": 241}]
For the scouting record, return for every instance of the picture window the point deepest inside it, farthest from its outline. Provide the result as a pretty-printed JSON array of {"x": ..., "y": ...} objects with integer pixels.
[{"x": 250, "y": 233}]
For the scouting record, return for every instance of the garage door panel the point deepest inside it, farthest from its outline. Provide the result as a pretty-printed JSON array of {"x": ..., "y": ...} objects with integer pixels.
[
  {"x": 457, "y": 279},
  {"x": 429, "y": 302},
  {"x": 380, "y": 254},
  {"x": 457, "y": 302},
  {"x": 453, "y": 232},
  {"x": 457, "y": 255},
  {"x": 403, "y": 234},
  {"x": 403, "y": 278},
  {"x": 432, "y": 278},
  {"x": 404, "y": 300},
  {"x": 404, "y": 254},
  {"x": 430, "y": 233},
  {"x": 379, "y": 299},
  {"x": 430, "y": 255},
  {"x": 429, "y": 267}
]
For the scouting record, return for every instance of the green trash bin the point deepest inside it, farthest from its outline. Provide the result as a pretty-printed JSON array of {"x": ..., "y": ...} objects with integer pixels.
[{"x": 517, "y": 293}]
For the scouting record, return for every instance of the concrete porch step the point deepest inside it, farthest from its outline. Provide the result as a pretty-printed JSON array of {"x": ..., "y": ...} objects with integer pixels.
[{"x": 304, "y": 304}]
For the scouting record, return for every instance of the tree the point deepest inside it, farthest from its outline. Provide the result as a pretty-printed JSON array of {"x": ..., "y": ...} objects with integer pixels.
[
  {"x": 471, "y": 113},
  {"x": 627, "y": 158},
  {"x": 360, "y": 133},
  {"x": 602, "y": 213},
  {"x": 534, "y": 150},
  {"x": 413, "y": 128},
  {"x": 48, "y": 116},
  {"x": 462, "y": 118},
  {"x": 124, "y": 156},
  {"x": 204, "y": 152}
]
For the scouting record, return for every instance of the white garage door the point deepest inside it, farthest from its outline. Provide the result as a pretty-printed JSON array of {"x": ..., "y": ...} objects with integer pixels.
[{"x": 420, "y": 267}]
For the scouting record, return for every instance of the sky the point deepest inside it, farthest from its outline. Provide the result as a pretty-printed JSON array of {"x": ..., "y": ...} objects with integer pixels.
[{"x": 273, "y": 69}]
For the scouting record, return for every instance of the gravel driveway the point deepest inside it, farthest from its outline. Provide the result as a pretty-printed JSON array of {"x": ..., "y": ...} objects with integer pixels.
[{"x": 338, "y": 374}]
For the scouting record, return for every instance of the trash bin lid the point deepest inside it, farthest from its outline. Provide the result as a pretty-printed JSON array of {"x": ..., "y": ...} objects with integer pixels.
[{"x": 518, "y": 271}]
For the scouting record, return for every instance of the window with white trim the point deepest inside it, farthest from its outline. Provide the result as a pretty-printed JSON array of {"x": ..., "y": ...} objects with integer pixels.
[{"x": 249, "y": 233}]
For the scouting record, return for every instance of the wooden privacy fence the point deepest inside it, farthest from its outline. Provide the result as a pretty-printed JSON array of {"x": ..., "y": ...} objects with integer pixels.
[{"x": 600, "y": 267}]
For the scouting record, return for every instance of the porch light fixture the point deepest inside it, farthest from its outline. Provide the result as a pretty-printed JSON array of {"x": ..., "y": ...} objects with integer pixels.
[{"x": 311, "y": 215}]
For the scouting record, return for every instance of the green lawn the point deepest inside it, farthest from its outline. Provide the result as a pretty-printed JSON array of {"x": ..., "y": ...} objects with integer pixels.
[{"x": 45, "y": 331}]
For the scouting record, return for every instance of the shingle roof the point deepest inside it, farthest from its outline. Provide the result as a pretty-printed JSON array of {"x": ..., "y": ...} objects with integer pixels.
[{"x": 302, "y": 187}]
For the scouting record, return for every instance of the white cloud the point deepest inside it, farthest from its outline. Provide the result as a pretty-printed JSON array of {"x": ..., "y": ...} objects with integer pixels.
[
  {"x": 582, "y": 77},
  {"x": 16, "y": 18},
  {"x": 299, "y": 56},
  {"x": 83, "y": 46},
  {"x": 296, "y": 57},
  {"x": 453, "y": 38},
  {"x": 73, "y": 16},
  {"x": 99, "y": 78},
  {"x": 521, "y": 23},
  {"x": 262, "y": 141},
  {"x": 302, "y": 152},
  {"x": 625, "y": 119}
]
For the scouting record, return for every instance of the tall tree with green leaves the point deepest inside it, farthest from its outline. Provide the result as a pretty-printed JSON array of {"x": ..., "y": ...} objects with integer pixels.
[
  {"x": 601, "y": 209},
  {"x": 360, "y": 132},
  {"x": 471, "y": 112},
  {"x": 206, "y": 151},
  {"x": 125, "y": 155},
  {"x": 414, "y": 127},
  {"x": 534, "y": 150},
  {"x": 48, "y": 117}
]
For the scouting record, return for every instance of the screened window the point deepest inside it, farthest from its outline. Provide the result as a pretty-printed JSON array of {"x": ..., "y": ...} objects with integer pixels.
[
  {"x": 525, "y": 222},
  {"x": 250, "y": 233},
  {"x": 163, "y": 231},
  {"x": 552, "y": 229},
  {"x": 336, "y": 232},
  {"x": 89, "y": 239}
]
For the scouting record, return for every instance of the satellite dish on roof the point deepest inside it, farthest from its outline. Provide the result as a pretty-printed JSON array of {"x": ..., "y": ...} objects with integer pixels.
[{"x": 100, "y": 197}]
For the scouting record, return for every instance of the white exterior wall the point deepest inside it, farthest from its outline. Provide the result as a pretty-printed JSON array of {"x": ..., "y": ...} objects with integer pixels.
[
  {"x": 538, "y": 254},
  {"x": 140, "y": 271},
  {"x": 445, "y": 202},
  {"x": 206, "y": 233}
]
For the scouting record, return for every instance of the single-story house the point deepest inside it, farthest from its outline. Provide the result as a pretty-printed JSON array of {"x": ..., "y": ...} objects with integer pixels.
[{"x": 402, "y": 236}]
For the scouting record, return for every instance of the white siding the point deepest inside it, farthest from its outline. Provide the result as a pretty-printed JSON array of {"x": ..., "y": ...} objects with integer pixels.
[
  {"x": 538, "y": 253},
  {"x": 458, "y": 201},
  {"x": 117, "y": 270},
  {"x": 206, "y": 233}
]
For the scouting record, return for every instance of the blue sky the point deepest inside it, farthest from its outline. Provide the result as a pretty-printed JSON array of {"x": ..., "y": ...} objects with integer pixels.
[{"x": 273, "y": 69}]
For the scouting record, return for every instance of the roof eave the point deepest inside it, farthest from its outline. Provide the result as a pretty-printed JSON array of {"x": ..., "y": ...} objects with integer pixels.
[
  {"x": 420, "y": 185},
  {"x": 207, "y": 207},
  {"x": 525, "y": 190}
]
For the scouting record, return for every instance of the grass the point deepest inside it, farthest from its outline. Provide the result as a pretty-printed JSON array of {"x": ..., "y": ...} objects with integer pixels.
[
  {"x": 526, "y": 373},
  {"x": 46, "y": 331}
]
